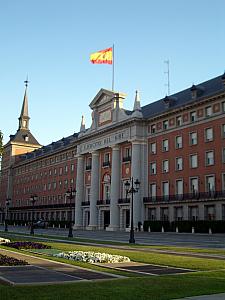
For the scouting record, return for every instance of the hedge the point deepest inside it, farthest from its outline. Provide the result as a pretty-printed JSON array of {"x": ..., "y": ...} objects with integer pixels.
[{"x": 186, "y": 226}]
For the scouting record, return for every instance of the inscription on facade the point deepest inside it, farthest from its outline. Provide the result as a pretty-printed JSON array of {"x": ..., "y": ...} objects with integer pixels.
[
  {"x": 104, "y": 116},
  {"x": 107, "y": 141}
]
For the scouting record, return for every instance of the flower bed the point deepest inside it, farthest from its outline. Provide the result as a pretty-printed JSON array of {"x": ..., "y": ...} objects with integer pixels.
[
  {"x": 3, "y": 240},
  {"x": 92, "y": 257},
  {"x": 27, "y": 245},
  {"x": 11, "y": 261}
]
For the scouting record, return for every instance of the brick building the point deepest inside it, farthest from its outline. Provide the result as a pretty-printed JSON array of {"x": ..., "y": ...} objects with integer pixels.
[{"x": 174, "y": 146}]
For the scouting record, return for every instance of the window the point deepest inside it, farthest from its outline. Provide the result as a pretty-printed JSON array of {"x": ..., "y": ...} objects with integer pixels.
[
  {"x": 209, "y": 157},
  {"x": 178, "y": 140},
  {"x": 165, "y": 145},
  {"x": 193, "y": 161},
  {"x": 127, "y": 152},
  {"x": 88, "y": 194},
  {"x": 193, "y": 116},
  {"x": 55, "y": 171},
  {"x": 153, "y": 128},
  {"x": 72, "y": 167},
  {"x": 179, "y": 120},
  {"x": 194, "y": 185},
  {"x": 210, "y": 183},
  {"x": 60, "y": 171},
  {"x": 208, "y": 111},
  {"x": 106, "y": 157},
  {"x": 223, "y": 155},
  {"x": 179, "y": 163},
  {"x": 165, "y": 189},
  {"x": 49, "y": 186},
  {"x": 153, "y": 190},
  {"x": 223, "y": 182},
  {"x": 106, "y": 161},
  {"x": 223, "y": 130},
  {"x": 88, "y": 163},
  {"x": 179, "y": 187},
  {"x": 66, "y": 169},
  {"x": 152, "y": 168},
  {"x": 165, "y": 166},
  {"x": 165, "y": 124},
  {"x": 193, "y": 138},
  {"x": 223, "y": 106},
  {"x": 208, "y": 134},
  {"x": 153, "y": 148}
]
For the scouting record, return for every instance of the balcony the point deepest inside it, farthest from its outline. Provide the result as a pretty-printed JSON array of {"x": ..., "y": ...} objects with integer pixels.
[
  {"x": 123, "y": 200},
  {"x": 103, "y": 202},
  {"x": 85, "y": 203},
  {"x": 197, "y": 196},
  {"x": 88, "y": 168},
  {"x": 106, "y": 164},
  {"x": 127, "y": 159}
]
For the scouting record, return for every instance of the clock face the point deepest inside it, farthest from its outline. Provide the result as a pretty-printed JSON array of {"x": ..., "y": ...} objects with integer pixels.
[{"x": 105, "y": 116}]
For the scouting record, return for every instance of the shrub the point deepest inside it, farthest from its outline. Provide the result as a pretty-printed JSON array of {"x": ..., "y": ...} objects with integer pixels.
[
  {"x": 11, "y": 261},
  {"x": 27, "y": 245}
]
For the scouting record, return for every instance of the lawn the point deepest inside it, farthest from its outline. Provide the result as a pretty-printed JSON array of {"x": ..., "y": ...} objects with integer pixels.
[{"x": 209, "y": 279}]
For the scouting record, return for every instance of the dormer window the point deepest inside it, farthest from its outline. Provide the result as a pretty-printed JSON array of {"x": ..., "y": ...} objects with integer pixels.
[{"x": 26, "y": 138}]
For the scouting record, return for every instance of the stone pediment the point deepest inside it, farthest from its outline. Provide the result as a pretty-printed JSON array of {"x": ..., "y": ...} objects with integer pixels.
[{"x": 103, "y": 97}]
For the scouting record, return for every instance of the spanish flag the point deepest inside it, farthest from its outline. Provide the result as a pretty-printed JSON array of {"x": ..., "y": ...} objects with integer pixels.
[{"x": 102, "y": 57}]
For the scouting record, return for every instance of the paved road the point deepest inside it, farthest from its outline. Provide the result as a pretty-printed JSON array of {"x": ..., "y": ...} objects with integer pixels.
[{"x": 166, "y": 239}]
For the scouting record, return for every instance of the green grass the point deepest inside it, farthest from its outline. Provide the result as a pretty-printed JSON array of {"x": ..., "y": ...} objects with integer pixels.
[
  {"x": 209, "y": 279},
  {"x": 151, "y": 288}
]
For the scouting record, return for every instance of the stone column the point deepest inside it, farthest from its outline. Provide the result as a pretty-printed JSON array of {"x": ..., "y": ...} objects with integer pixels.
[
  {"x": 136, "y": 174},
  {"x": 94, "y": 191},
  {"x": 115, "y": 189},
  {"x": 80, "y": 192}
]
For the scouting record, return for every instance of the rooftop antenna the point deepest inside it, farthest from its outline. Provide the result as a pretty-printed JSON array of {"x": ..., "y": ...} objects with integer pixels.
[{"x": 167, "y": 62}]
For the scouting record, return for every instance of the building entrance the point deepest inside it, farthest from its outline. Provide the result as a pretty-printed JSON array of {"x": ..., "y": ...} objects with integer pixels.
[{"x": 106, "y": 218}]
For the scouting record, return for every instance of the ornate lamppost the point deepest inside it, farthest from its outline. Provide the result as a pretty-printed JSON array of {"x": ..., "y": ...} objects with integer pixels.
[
  {"x": 131, "y": 189},
  {"x": 33, "y": 199},
  {"x": 7, "y": 202},
  {"x": 71, "y": 194}
]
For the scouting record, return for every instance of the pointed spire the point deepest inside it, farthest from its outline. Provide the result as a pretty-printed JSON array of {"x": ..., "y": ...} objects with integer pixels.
[
  {"x": 82, "y": 125},
  {"x": 137, "y": 103},
  {"x": 137, "y": 106},
  {"x": 24, "y": 117}
]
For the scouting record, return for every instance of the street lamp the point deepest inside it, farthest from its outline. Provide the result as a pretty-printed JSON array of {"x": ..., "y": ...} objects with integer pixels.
[
  {"x": 71, "y": 194},
  {"x": 7, "y": 202},
  {"x": 132, "y": 190},
  {"x": 33, "y": 199}
]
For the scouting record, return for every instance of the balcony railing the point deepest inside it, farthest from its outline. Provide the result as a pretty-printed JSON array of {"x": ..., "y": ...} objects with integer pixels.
[
  {"x": 43, "y": 206},
  {"x": 123, "y": 200},
  {"x": 186, "y": 197},
  {"x": 85, "y": 203},
  {"x": 106, "y": 164},
  {"x": 127, "y": 159},
  {"x": 103, "y": 202}
]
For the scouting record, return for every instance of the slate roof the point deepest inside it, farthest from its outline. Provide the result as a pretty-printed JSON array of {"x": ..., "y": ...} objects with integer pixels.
[
  {"x": 207, "y": 88},
  {"x": 19, "y": 137}
]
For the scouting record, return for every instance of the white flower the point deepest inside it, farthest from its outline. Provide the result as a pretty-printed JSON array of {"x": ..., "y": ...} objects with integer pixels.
[
  {"x": 3, "y": 240},
  {"x": 92, "y": 257}
]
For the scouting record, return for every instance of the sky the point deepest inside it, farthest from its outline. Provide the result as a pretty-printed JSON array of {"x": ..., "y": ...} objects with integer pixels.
[{"x": 50, "y": 41}]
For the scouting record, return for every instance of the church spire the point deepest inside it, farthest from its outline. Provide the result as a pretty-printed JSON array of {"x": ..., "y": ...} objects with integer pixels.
[{"x": 24, "y": 117}]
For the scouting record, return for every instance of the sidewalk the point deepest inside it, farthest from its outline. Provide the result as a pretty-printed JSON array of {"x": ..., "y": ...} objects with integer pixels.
[{"x": 206, "y": 297}]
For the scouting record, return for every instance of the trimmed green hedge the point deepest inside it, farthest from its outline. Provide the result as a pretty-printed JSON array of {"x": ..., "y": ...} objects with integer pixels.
[{"x": 186, "y": 226}]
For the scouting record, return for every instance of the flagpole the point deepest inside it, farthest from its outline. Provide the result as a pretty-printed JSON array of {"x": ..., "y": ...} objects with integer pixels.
[{"x": 113, "y": 67}]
